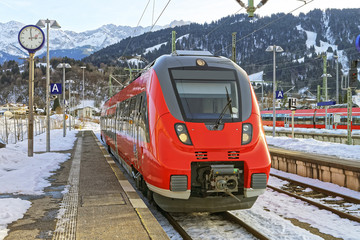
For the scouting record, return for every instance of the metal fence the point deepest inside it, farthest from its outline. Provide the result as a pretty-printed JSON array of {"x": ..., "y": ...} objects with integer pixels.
[{"x": 15, "y": 129}]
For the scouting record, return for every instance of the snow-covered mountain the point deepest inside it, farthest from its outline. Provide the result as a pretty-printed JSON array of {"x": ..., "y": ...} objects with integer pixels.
[{"x": 68, "y": 43}]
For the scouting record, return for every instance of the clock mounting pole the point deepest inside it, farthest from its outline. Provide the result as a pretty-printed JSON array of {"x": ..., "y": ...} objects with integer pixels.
[
  {"x": 31, "y": 38},
  {"x": 31, "y": 106}
]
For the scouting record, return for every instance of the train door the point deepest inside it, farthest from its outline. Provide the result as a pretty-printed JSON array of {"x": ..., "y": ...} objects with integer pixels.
[
  {"x": 117, "y": 112},
  {"x": 137, "y": 134},
  {"x": 287, "y": 120},
  {"x": 329, "y": 121}
]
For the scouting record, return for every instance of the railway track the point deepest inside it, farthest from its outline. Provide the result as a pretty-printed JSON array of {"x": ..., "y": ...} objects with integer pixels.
[
  {"x": 317, "y": 189},
  {"x": 230, "y": 217},
  {"x": 317, "y": 204},
  {"x": 224, "y": 215}
]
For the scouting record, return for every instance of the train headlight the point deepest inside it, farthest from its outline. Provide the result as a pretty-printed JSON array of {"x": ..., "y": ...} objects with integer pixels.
[
  {"x": 183, "y": 137},
  {"x": 246, "y": 136},
  {"x": 182, "y": 133}
]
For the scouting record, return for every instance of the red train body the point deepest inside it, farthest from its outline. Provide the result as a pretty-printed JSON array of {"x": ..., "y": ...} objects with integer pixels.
[
  {"x": 313, "y": 118},
  {"x": 189, "y": 130}
]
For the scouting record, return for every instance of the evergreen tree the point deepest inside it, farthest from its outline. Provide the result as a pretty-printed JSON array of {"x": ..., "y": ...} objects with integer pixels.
[{"x": 56, "y": 104}]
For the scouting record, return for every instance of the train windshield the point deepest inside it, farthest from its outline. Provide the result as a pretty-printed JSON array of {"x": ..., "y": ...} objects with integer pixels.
[{"x": 206, "y": 95}]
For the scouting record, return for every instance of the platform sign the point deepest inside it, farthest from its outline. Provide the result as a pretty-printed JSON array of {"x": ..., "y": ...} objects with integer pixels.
[
  {"x": 279, "y": 94},
  {"x": 329, "y": 103},
  {"x": 55, "y": 88},
  {"x": 292, "y": 104}
]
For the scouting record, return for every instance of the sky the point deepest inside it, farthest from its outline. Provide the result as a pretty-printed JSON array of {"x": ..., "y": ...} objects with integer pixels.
[{"x": 83, "y": 15}]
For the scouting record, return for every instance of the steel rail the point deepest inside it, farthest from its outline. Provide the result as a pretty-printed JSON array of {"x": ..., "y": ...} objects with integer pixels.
[
  {"x": 230, "y": 217},
  {"x": 319, "y": 205},
  {"x": 175, "y": 225},
  {"x": 321, "y": 190}
]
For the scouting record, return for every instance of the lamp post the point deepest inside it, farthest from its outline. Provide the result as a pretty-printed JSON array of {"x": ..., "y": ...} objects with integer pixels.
[
  {"x": 63, "y": 66},
  {"x": 274, "y": 49},
  {"x": 73, "y": 104},
  {"x": 337, "y": 78},
  {"x": 325, "y": 76},
  {"x": 69, "y": 82},
  {"x": 55, "y": 25},
  {"x": 83, "y": 111}
]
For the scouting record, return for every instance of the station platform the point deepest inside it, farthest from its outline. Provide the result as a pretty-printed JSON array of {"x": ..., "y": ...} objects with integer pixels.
[
  {"x": 343, "y": 172},
  {"x": 100, "y": 203},
  {"x": 87, "y": 197}
]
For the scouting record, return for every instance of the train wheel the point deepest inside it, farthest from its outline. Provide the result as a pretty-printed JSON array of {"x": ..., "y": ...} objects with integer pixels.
[
  {"x": 108, "y": 149},
  {"x": 138, "y": 183},
  {"x": 149, "y": 194}
]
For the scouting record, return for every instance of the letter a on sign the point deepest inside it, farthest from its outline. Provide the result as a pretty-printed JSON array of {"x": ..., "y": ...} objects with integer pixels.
[
  {"x": 55, "y": 88},
  {"x": 279, "y": 94}
]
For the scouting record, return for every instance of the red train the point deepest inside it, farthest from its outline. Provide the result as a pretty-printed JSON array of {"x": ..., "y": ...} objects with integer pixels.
[
  {"x": 313, "y": 118},
  {"x": 189, "y": 131}
]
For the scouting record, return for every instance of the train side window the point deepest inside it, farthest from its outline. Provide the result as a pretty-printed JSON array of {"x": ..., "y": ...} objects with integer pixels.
[
  {"x": 121, "y": 119},
  {"x": 309, "y": 120},
  {"x": 267, "y": 117},
  {"x": 126, "y": 116},
  {"x": 320, "y": 120},
  {"x": 299, "y": 120},
  {"x": 280, "y": 117},
  {"x": 356, "y": 120},
  {"x": 131, "y": 116},
  {"x": 343, "y": 120},
  {"x": 145, "y": 118}
]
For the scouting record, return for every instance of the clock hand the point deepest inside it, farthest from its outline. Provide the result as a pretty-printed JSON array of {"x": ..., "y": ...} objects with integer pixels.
[{"x": 31, "y": 34}]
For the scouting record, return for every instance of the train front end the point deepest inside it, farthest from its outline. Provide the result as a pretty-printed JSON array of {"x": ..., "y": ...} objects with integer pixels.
[{"x": 209, "y": 149}]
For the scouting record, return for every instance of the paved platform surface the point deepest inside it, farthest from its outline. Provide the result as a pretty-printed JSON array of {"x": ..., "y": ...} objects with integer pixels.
[
  {"x": 101, "y": 203},
  {"x": 98, "y": 201}
]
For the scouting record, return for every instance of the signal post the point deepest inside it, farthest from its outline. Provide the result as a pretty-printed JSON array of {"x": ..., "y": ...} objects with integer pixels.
[{"x": 292, "y": 106}]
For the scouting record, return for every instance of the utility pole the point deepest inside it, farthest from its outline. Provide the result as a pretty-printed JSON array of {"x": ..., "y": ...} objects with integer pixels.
[
  {"x": 325, "y": 89},
  {"x": 325, "y": 93},
  {"x": 110, "y": 84},
  {"x": 110, "y": 87},
  {"x": 337, "y": 78},
  {"x": 173, "y": 41},
  {"x": 250, "y": 8},
  {"x": 233, "y": 52},
  {"x": 349, "y": 115}
]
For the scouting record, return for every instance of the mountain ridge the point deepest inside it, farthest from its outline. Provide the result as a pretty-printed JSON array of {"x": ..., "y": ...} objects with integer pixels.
[{"x": 70, "y": 43}]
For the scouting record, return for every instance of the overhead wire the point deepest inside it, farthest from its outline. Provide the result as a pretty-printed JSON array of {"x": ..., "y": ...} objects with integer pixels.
[
  {"x": 223, "y": 22},
  {"x": 142, "y": 15},
  {"x": 270, "y": 23},
  {"x": 153, "y": 13},
  {"x": 157, "y": 19}
]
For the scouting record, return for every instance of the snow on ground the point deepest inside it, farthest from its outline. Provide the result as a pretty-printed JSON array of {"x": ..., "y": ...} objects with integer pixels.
[
  {"x": 313, "y": 182},
  {"x": 314, "y": 146},
  {"x": 268, "y": 213},
  {"x": 11, "y": 209},
  {"x": 20, "y": 174}
]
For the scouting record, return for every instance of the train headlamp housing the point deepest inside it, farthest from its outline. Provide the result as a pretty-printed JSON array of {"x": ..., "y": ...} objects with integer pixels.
[
  {"x": 246, "y": 135},
  {"x": 182, "y": 133},
  {"x": 200, "y": 62}
]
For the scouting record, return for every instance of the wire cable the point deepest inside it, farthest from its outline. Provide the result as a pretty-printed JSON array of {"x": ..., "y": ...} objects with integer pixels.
[
  {"x": 157, "y": 19},
  {"x": 142, "y": 15},
  {"x": 223, "y": 23},
  {"x": 276, "y": 20}
]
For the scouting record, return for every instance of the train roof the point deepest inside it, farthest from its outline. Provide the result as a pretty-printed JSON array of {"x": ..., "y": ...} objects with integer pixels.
[{"x": 192, "y": 53}]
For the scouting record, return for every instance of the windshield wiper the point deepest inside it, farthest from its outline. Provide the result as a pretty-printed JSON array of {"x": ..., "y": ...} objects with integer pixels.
[{"x": 228, "y": 105}]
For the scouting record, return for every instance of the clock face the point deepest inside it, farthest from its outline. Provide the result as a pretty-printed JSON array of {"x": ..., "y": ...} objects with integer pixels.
[{"x": 31, "y": 38}]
